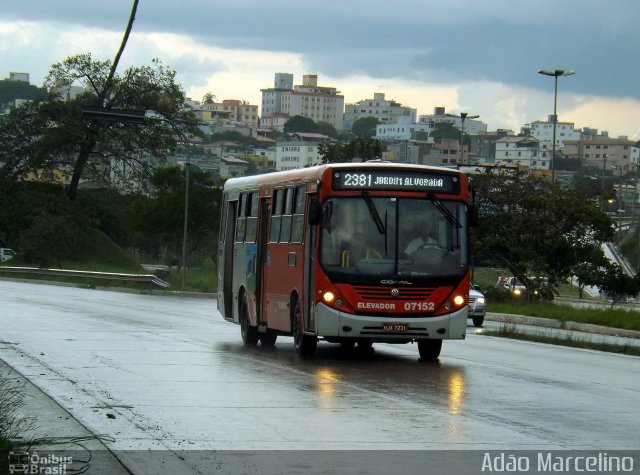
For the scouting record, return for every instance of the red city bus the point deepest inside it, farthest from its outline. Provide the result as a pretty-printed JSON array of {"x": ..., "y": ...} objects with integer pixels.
[{"x": 349, "y": 253}]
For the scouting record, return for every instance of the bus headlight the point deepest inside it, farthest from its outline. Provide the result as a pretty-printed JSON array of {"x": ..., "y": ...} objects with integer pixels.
[
  {"x": 328, "y": 297},
  {"x": 458, "y": 300}
]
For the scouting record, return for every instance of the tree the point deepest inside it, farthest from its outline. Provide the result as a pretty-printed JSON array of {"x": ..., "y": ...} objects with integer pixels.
[
  {"x": 445, "y": 130},
  {"x": 616, "y": 284},
  {"x": 12, "y": 90},
  {"x": 52, "y": 134},
  {"x": 356, "y": 149},
  {"x": 365, "y": 128},
  {"x": 539, "y": 227},
  {"x": 208, "y": 98},
  {"x": 156, "y": 214},
  {"x": 327, "y": 129},
  {"x": 298, "y": 123},
  {"x": 50, "y": 239}
]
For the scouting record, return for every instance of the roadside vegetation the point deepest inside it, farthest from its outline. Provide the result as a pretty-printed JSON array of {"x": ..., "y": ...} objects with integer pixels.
[
  {"x": 13, "y": 424},
  {"x": 510, "y": 331}
]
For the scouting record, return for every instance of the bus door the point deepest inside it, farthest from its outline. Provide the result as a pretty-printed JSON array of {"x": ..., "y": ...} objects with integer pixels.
[
  {"x": 310, "y": 238},
  {"x": 263, "y": 242},
  {"x": 225, "y": 260},
  {"x": 283, "y": 261}
]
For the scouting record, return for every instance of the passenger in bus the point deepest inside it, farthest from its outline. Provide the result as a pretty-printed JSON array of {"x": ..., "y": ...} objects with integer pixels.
[
  {"x": 425, "y": 239},
  {"x": 335, "y": 241}
]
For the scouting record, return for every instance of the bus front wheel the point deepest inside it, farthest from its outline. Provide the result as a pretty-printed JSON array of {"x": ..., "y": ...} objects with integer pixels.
[
  {"x": 305, "y": 344},
  {"x": 248, "y": 332},
  {"x": 429, "y": 349}
]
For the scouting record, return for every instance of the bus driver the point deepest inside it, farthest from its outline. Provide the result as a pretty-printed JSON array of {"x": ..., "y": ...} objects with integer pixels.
[{"x": 425, "y": 238}]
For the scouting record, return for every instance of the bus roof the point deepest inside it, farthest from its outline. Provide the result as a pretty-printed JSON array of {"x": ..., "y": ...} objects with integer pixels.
[{"x": 308, "y": 174}]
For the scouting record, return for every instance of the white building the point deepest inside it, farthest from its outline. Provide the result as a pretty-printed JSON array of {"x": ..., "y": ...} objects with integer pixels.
[
  {"x": 471, "y": 126},
  {"x": 404, "y": 129},
  {"x": 319, "y": 103},
  {"x": 299, "y": 151},
  {"x": 23, "y": 77},
  {"x": 543, "y": 132},
  {"x": 521, "y": 151},
  {"x": 387, "y": 111}
]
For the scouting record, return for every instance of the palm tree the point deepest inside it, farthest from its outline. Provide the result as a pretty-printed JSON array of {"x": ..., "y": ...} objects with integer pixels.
[{"x": 208, "y": 98}]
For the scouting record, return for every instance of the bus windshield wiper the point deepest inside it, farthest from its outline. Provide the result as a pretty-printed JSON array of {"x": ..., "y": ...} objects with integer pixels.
[
  {"x": 373, "y": 211},
  {"x": 444, "y": 211}
]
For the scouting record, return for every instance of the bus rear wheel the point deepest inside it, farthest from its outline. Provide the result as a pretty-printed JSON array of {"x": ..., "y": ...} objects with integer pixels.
[
  {"x": 429, "y": 349},
  {"x": 248, "y": 332},
  {"x": 305, "y": 344}
]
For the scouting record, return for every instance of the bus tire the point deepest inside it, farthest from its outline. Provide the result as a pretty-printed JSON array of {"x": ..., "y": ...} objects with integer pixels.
[
  {"x": 429, "y": 349},
  {"x": 248, "y": 332},
  {"x": 268, "y": 338},
  {"x": 305, "y": 344}
]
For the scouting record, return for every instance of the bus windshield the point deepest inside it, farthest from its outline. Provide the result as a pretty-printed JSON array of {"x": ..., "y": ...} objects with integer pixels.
[{"x": 369, "y": 237}]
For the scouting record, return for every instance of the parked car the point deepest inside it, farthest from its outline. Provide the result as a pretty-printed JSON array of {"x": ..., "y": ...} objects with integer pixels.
[
  {"x": 477, "y": 306},
  {"x": 6, "y": 254},
  {"x": 514, "y": 285}
]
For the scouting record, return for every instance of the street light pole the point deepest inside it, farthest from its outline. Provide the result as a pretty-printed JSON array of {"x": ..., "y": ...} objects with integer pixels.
[
  {"x": 555, "y": 74},
  {"x": 604, "y": 166},
  {"x": 463, "y": 116}
]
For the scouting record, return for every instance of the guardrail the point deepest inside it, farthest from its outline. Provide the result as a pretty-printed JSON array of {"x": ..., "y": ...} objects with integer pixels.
[{"x": 150, "y": 278}]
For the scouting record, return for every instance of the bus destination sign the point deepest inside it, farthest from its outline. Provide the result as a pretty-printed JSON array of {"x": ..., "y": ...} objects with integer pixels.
[{"x": 397, "y": 180}]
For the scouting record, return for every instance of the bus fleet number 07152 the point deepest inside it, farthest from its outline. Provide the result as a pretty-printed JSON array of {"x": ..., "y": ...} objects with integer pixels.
[{"x": 421, "y": 306}]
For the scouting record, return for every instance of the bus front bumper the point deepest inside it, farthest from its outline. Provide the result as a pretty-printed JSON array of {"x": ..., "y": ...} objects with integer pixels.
[{"x": 333, "y": 323}]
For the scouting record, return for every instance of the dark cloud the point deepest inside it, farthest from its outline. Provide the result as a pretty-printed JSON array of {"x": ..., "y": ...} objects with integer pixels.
[{"x": 498, "y": 40}]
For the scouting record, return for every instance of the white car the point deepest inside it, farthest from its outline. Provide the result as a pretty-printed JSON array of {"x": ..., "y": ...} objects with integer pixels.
[
  {"x": 6, "y": 254},
  {"x": 477, "y": 306}
]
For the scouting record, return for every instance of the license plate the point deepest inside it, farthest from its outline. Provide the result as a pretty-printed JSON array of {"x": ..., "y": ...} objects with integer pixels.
[{"x": 395, "y": 327}]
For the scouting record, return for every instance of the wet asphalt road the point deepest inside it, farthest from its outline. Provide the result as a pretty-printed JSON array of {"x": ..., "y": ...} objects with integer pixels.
[{"x": 162, "y": 372}]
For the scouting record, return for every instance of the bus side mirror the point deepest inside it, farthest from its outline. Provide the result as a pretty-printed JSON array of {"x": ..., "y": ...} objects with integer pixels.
[
  {"x": 315, "y": 213},
  {"x": 473, "y": 216}
]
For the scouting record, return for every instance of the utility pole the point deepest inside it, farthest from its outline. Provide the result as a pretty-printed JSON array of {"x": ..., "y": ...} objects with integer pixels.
[
  {"x": 463, "y": 116},
  {"x": 555, "y": 74}
]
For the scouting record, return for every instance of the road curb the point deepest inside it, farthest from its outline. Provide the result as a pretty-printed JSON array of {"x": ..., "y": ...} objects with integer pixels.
[{"x": 550, "y": 323}]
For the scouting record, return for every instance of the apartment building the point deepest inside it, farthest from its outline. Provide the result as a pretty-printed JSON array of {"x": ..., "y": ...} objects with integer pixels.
[
  {"x": 442, "y": 152},
  {"x": 521, "y": 151},
  {"x": 387, "y": 111},
  {"x": 404, "y": 129},
  {"x": 620, "y": 155},
  {"x": 471, "y": 126},
  {"x": 235, "y": 110},
  {"x": 298, "y": 150},
  {"x": 483, "y": 145},
  {"x": 542, "y": 131},
  {"x": 319, "y": 103}
]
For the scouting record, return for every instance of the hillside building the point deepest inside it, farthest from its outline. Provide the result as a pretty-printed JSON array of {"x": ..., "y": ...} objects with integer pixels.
[
  {"x": 319, "y": 103},
  {"x": 387, "y": 111}
]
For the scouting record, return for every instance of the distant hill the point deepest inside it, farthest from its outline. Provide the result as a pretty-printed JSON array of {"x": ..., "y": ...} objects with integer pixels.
[{"x": 12, "y": 90}]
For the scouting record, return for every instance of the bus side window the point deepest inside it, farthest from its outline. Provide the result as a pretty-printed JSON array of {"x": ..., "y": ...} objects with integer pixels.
[
  {"x": 242, "y": 220},
  {"x": 223, "y": 219},
  {"x": 276, "y": 211},
  {"x": 252, "y": 217},
  {"x": 297, "y": 225},
  {"x": 285, "y": 233}
]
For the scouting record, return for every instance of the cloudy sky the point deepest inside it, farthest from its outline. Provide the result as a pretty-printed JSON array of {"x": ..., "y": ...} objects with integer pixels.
[{"x": 479, "y": 57}]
